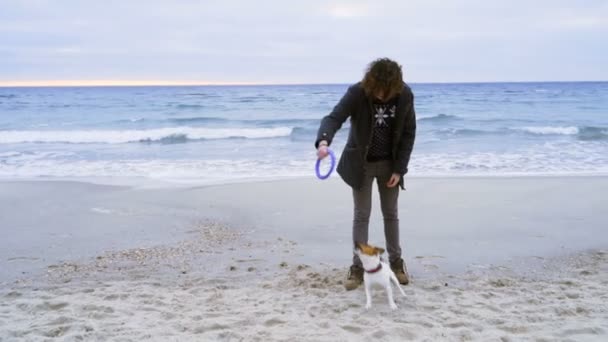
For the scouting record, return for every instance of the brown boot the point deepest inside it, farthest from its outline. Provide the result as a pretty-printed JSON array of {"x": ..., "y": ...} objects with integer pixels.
[
  {"x": 398, "y": 266},
  {"x": 355, "y": 278}
]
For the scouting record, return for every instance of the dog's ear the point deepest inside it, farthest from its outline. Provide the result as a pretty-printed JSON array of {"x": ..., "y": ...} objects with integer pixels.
[{"x": 379, "y": 250}]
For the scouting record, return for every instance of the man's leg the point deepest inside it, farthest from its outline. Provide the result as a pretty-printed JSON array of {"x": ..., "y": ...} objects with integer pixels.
[
  {"x": 389, "y": 203},
  {"x": 362, "y": 199},
  {"x": 389, "y": 200}
]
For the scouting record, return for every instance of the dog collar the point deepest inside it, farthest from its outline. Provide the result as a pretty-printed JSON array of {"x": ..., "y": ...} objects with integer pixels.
[{"x": 375, "y": 269}]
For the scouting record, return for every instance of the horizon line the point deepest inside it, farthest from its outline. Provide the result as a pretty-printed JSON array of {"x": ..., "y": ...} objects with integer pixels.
[{"x": 158, "y": 83}]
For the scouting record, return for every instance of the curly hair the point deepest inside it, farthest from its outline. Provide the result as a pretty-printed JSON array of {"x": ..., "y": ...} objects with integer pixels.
[{"x": 383, "y": 75}]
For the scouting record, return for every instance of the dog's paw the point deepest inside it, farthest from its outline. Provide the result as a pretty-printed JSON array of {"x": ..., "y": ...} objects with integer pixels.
[
  {"x": 393, "y": 306},
  {"x": 368, "y": 306}
]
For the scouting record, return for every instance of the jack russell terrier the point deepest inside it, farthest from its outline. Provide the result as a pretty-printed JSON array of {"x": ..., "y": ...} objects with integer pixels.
[{"x": 376, "y": 272}]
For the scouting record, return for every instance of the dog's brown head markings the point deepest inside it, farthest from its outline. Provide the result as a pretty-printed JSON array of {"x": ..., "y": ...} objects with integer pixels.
[{"x": 369, "y": 250}]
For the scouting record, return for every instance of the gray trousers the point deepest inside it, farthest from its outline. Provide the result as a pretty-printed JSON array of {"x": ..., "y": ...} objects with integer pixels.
[{"x": 381, "y": 171}]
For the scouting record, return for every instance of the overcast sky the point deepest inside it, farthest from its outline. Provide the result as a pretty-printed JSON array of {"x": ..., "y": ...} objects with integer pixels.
[{"x": 308, "y": 41}]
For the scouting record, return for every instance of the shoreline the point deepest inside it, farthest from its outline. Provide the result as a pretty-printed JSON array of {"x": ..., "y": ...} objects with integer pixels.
[
  {"x": 154, "y": 183},
  {"x": 494, "y": 220}
]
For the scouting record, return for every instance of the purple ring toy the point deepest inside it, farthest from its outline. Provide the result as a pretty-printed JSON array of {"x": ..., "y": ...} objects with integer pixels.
[{"x": 331, "y": 167}]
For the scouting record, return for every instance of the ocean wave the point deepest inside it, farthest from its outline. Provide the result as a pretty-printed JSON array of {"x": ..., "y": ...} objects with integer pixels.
[
  {"x": 205, "y": 95},
  {"x": 440, "y": 118},
  {"x": 563, "y": 158},
  {"x": 550, "y": 130},
  {"x": 181, "y": 171},
  {"x": 303, "y": 133},
  {"x": 161, "y": 135},
  {"x": 9, "y": 154},
  {"x": 269, "y": 123},
  {"x": 587, "y": 133},
  {"x": 582, "y": 133},
  {"x": 258, "y": 98},
  {"x": 189, "y": 106},
  {"x": 547, "y": 158},
  {"x": 593, "y": 133},
  {"x": 129, "y": 121},
  {"x": 176, "y": 138},
  {"x": 198, "y": 120},
  {"x": 243, "y": 123},
  {"x": 465, "y": 132}
]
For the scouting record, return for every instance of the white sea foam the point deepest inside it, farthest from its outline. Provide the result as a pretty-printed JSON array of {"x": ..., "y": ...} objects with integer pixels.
[
  {"x": 551, "y": 130},
  {"x": 149, "y": 135},
  {"x": 101, "y": 210},
  {"x": 546, "y": 159}
]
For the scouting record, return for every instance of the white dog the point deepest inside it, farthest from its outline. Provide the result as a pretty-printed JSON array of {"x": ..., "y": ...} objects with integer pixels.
[{"x": 376, "y": 272}]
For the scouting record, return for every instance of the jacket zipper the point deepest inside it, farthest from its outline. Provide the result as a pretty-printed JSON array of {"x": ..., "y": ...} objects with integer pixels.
[{"x": 371, "y": 129}]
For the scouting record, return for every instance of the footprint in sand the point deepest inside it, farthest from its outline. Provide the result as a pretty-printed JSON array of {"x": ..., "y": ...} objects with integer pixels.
[
  {"x": 273, "y": 321},
  {"x": 352, "y": 329},
  {"x": 455, "y": 325},
  {"x": 114, "y": 297},
  {"x": 501, "y": 282},
  {"x": 429, "y": 257},
  {"x": 425, "y": 324},
  {"x": 56, "y": 332},
  {"x": 585, "y": 331},
  {"x": 515, "y": 329},
  {"x": 324, "y": 325},
  {"x": 215, "y": 326},
  {"x": 61, "y": 321},
  {"x": 13, "y": 294},
  {"x": 98, "y": 309},
  {"x": 379, "y": 334},
  {"x": 23, "y": 259},
  {"x": 52, "y": 306},
  {"x": 432, "y": 287}
]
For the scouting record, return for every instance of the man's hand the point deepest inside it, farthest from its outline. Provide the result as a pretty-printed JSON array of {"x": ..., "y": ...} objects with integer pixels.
[
  {"x": 322, "y": 149},
  {"x": 394, "y": 181}
]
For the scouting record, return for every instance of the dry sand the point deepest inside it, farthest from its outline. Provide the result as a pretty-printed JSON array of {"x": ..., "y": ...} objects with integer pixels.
[{"x": 170, "y": 294}]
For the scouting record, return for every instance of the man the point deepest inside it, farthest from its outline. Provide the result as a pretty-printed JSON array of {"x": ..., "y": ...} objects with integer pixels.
[{"x": 380, "y": 142}]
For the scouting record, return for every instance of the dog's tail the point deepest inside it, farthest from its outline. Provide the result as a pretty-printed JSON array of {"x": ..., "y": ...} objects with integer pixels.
[{"x": 396, "y": 281}]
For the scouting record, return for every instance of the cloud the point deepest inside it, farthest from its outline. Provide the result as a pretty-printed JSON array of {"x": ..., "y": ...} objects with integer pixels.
[
  {"x": 301, "y": 41},
  {"x": 584, "y": 22},
  {"x": 349, "y": 10}
]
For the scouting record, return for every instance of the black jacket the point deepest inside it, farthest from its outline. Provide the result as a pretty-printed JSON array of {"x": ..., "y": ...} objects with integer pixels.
[{"x": 356, "y": 105}]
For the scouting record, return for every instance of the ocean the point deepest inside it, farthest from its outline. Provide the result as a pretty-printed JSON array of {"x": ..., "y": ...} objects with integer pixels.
[{"x": 222, "y": 134}]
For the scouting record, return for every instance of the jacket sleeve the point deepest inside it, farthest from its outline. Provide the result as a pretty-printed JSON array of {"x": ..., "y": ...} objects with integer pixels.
[
  {"x": 331, "y": 123},
  {"x": 406, "y": 144}
]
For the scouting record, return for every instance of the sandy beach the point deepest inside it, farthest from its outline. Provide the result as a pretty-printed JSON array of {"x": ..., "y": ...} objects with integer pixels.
[
  {"x": 491, "y": 258},
  {"x": 161, "y": 168}
]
